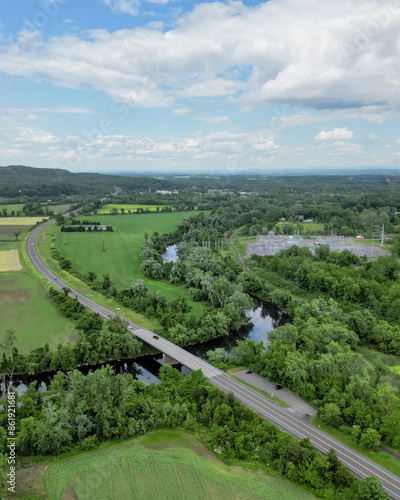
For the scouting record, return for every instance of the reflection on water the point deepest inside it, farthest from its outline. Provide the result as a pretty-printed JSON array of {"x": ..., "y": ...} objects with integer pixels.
[
  {"x": 144, "y": 369},
  {"x": 170, "y": 254},
  {"x": 263, "y": 318}
]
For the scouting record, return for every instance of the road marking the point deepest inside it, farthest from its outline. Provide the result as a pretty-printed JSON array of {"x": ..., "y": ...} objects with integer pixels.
[{"x": 316, "y": 437}]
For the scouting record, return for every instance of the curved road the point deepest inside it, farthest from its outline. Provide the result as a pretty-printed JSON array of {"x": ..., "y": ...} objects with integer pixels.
[{"x": 354, "y": 461}]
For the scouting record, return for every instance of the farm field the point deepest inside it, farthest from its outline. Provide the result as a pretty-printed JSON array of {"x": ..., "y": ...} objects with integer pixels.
[
  {"x": 121, "y": 258},
  {"x": 10, "y": 225},
  {"x": 25, "y": 307},
  {"x": 163, "y": 464},
  {"x": 9, "y": 257},
  {"x": 107, "y": 208}
]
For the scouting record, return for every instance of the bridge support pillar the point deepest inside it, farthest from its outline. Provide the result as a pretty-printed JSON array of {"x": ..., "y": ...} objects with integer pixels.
[{"x": 168, "y": 360}]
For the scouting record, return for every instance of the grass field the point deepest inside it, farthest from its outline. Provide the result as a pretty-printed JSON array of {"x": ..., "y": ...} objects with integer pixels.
[
  {"x": 164, "y": 464},
  {"x": 240, "y": 243},
  {"x": 59, "y": 208},
  {"x": 25, "y": 307},
  {"x": 309, "y": 227},
  {"x": 16, "y": 207},
  {"x": 122, "y": 256},
  {"x": 106, "y": 209}
]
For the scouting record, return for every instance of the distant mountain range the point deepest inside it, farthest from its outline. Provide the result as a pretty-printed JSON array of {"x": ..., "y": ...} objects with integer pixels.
[
  {"x": 20, "y": 180},
  {"x": 275, "y": 172}
]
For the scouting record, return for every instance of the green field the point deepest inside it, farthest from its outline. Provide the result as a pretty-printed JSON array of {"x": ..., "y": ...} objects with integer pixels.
[
  {"x": 25, "y": 307},
  {"x": 59, "y": 208},
  {"x": 121, "y": 258},
  {"x": 164, "y": 464},
  {"x": 240, "y": 242},
  {"x": 308, "y": 227},
  {"x": 16, "y": 207},
  {"x": 107, "y": 208}
]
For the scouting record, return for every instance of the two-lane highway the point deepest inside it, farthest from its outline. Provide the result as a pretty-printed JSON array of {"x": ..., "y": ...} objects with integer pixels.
[{"x": 354, "y": 461}]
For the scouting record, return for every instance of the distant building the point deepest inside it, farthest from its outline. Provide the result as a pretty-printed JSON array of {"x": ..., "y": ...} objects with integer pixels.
[
  {"x": 92, "y": 226},
  {"x": 299, "y": 217},
  {"x": 308, "y": 221},
  {"x": 282, "y": 219}
]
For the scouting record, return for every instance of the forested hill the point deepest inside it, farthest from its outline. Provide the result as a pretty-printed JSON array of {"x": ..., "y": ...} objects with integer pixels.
[{"x": 18, "y": 180}]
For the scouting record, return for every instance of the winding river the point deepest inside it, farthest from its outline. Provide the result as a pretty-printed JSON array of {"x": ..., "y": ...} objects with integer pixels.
[{"x": 262, "y": 319}]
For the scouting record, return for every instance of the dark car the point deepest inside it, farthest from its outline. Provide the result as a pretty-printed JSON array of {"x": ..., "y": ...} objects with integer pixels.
[
  {"x": 277, "y": 387},
  {"x": 249, "y": 371},
  {"x": 156, "y": 337}
]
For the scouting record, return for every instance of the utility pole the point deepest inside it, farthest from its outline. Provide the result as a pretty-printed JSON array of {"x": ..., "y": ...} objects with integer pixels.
[
  {"x": 103, "y": 241},
  {"x": 383, "y": 231}
]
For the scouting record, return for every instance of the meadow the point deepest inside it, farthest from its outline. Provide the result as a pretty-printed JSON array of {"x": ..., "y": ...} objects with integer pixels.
[
  {"x": 107, "y": 208},
  {"x": 163, "y": 464},
  {"x": 25, "y": 307},
  {"x": 121, "y": 258},
  {"x": 17, "y": 207},
  {"x": 59, "y": 208}
]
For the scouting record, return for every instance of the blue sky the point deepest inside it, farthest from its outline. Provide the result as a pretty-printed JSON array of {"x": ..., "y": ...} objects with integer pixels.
[{"x": 169, "y": 85}]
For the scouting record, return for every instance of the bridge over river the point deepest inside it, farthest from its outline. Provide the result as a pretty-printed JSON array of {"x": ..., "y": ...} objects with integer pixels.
[{"x": 282, "y": 417}]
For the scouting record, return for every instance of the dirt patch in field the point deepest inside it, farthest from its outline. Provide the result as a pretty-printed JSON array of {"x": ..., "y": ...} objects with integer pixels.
[
  {"x": 30, "y": 480},
  {"x": 14, "y": 297},
  {"x": 9, "y": 261},
  {"x": 69, "y": 494}
]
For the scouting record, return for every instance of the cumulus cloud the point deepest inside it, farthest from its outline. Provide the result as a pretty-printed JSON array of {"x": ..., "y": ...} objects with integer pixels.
[
  {"x": 336, "y": 56},
  {"x": 338, "y": 134}
]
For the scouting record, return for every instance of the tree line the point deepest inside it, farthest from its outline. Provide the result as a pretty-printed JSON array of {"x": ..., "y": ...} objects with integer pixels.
[{"x": 80, "y": 412}]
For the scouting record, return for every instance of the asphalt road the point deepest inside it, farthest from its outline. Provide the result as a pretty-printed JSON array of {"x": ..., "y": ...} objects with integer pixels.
[{"x": 354, "y": 461}]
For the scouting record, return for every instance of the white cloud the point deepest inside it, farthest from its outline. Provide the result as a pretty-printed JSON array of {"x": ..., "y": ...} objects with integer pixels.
[
  {"x": 297, "y": 54},
  {"x": 123, "y": 6},
  {"x": 181, "y": 111},
  {"x": 338, "y": 134}
]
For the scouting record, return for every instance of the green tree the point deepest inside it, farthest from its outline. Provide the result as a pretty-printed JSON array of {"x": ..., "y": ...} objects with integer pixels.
[
  {"x": 60, "y": 219},
  {"x": 331, "y": 415},
  {"x": 370, "y": 489},
  {"x": 8, "y": 343},
  {"x": 370, "y": 438}
]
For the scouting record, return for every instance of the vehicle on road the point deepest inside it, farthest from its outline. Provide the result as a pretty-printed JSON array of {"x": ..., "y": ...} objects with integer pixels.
[
  {"x": 156, "y": 337},
  {"x": 249, "y": 371},
  {"x": 278, "y": 387}
]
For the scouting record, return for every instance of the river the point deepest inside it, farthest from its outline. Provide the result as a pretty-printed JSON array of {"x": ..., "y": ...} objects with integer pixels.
[{"x": 262, "y": 319}]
